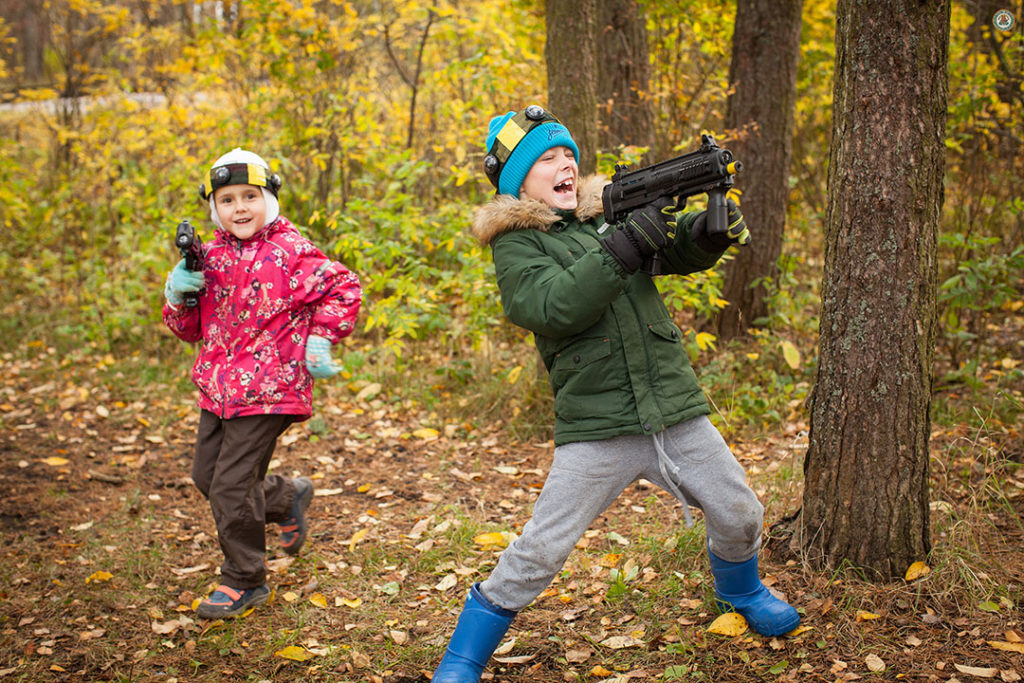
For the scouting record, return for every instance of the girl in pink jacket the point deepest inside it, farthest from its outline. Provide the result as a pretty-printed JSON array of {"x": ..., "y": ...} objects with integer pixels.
[{"x": 267, "y": 306}]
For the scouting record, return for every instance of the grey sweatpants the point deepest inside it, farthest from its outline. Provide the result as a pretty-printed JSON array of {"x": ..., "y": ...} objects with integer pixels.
[{"x": 587, "y": 476}]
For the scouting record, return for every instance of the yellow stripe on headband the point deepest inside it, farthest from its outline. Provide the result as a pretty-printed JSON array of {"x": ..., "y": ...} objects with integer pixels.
[
  {"x": 257, "y": 175},
  {"x": 510, "y": 134}
]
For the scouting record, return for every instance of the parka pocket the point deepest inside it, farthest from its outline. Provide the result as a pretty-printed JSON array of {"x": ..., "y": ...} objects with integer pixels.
[
  {"x": 578, "y": 375},
  {"x": 667, "y": 330},
  {"x": 674, "y": 372}
]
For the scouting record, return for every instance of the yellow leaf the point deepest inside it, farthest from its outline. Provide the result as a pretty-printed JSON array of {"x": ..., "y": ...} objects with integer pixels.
[
  {"x": 513, "y": 374},
  {"x": 790, "y": 354},
  {"x": 1009, "y": 647},
  {"x": 425, "y": 433},
  {"x": 865, "y": 616},
  {"x": 799, "y": 629},
  {"x": 916, "y": 571},
  {"x": 600, "y": 671},
  {"x": 705, "y": 341},
  {"x": 610, "y": 560},
  {"x": 319, "y": 599},
  {"x": 356, "y": 537},
  {"x": 54, "y": 461},
  {"x": 352, "y": 603},
  {"x": 290, "y": 596},
  {"x": 493, "y": 538},
  {"x": 99, "y": 576},
  {"x": 729, "y": 624},
  {"x": 295, "y": 653},
  {"x": 363, "y": 488}
]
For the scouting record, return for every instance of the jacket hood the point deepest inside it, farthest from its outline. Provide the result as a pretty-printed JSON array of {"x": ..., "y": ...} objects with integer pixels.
[{"x": 505, "y": 213}]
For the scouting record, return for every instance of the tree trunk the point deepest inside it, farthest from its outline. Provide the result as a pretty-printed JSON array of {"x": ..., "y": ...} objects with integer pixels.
[
  {"x": 570, "y": 53},
  {"x": 624, "y": 74},
  {"x": 26, "y": 22},
  {"x": 765, "y": 52},
  {"x": 866, "y": 470}
]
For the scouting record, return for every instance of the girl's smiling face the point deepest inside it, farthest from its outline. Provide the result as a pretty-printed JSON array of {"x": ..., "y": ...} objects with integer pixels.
[
  {"x": 241, "y": 209},
  {"x": 552, "y": 179}
]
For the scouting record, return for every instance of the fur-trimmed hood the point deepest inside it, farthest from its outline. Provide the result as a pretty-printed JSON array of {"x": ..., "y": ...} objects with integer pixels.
[{"x": 505, "y": 213}]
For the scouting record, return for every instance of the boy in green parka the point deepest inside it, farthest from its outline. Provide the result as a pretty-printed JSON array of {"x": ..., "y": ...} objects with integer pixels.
[{"x": 627, "y": 402}]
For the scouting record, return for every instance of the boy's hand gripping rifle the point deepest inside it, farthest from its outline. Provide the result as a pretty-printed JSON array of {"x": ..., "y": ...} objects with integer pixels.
[
  {"x": 191, "y": 248},
  {"x": 710, "y": 169}
]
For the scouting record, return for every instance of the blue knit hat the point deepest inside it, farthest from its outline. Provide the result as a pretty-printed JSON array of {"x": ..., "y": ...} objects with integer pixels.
[{"x": 516, "y": 140}]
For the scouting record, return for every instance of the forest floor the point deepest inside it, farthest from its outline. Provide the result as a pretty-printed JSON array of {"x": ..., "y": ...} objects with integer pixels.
[{"x": 107, "y": 547}]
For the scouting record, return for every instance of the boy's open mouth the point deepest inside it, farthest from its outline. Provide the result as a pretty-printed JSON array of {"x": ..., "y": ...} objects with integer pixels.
[{"x": 564, "y": 187}]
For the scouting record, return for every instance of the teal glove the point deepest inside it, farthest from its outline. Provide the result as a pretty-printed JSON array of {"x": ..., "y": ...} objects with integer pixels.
[
  {"x": 318, "y": 358},
  {"x": 181, "y": 281}
]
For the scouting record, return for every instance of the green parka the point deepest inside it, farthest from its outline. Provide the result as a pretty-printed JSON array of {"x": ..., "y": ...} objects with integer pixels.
[{"x": 614, "y": 356}]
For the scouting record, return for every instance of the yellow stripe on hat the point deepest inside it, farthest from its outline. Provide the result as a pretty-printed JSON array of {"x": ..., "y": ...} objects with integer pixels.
[
  {"x": 257, "y": 175},
  {"x": 510, "y": 134}
]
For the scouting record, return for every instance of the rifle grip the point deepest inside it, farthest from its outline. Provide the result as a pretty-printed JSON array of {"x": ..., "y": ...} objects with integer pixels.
[{"x": 718, "y": 212}]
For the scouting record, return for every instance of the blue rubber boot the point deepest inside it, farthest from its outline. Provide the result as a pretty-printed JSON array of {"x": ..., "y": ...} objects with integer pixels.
[
  {"x": 738, "y": 588},
  {"x": 481, "y": 627}
]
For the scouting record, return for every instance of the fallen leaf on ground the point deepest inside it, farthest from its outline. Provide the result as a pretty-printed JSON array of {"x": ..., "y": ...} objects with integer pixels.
[
  {"x": 295, "y": 653},
  {"x": 522, "y": 659},
  {"x": 1009, "y": 647},
  {"x": 874, "y": 663},
  {"x": 729, "y": 624},
  {"x": 620, "y": 642},
  {"x": 99, "y": 576},
  {"x": 448, "y": 582},
  {"x": 166, "y": 627},
  {"x": 494, "y": 538},
  {"x": 576, "y": 656},
  {"x": 986, "y": 672},
  {"x": 916, "y": 571},
  {"x": 356, "y": 537}
]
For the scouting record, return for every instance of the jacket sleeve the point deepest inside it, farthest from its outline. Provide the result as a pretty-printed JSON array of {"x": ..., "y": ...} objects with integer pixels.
[
  {"x": 683, "y": 257},
  {"x": 185, "y": 323},
  {"x": 542, "y": 295},
  {"x": 332, "y": 291}
]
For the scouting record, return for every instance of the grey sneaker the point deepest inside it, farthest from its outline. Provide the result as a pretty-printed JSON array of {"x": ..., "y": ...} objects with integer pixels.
[{"x": 230, "y": 602}]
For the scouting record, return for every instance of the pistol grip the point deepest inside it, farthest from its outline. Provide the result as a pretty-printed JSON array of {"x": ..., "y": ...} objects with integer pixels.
[{"x": 718, "y": 212}]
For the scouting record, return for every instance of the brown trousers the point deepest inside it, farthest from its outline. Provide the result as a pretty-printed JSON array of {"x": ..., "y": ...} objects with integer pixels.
[{"x": 230, "y": 469}]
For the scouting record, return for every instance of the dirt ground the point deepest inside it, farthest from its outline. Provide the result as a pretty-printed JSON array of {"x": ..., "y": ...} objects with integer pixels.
[{"x": 107, "y": 546}]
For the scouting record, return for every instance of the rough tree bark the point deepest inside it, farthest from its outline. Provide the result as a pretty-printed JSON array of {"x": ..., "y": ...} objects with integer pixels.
[
  {"x": 624, "y": 74},
  {"x": 866, "y": 470},
  {"x": 765, "y": 53},
  {"x": 571, "y": 56}
]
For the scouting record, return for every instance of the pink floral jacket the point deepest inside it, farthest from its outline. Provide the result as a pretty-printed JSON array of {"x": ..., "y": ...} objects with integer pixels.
[{"x": 262, "y": 298}]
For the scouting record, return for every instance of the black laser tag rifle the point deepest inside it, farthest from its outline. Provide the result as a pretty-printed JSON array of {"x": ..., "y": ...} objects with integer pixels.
[
  {"x": 710, "y": 169},
  {"x": 191, "y": 248}
]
